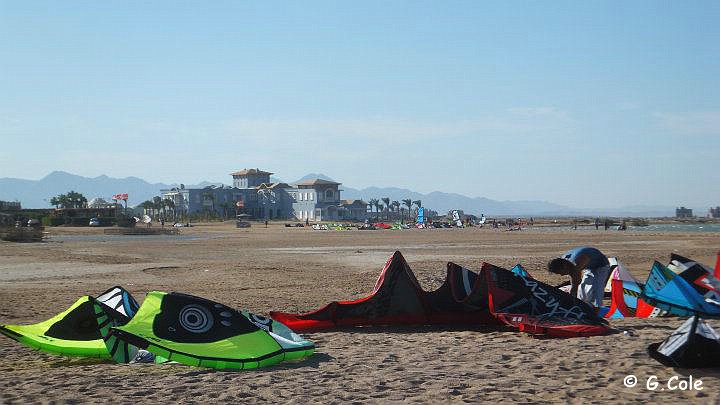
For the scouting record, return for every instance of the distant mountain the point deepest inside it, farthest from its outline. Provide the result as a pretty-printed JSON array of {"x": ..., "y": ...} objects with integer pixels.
[{"x": 37, "y": 194}]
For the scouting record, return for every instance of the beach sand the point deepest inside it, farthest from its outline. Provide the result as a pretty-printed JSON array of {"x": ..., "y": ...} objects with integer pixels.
[{"x": 298, "y": 269}]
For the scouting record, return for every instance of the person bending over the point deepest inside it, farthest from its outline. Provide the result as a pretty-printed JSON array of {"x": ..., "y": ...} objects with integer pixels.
[{"x": 588, "y": 269}]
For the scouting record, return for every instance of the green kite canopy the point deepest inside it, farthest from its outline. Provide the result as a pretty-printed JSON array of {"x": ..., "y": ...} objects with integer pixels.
[
  {"x": 72, "y": 333},
  {"x": 76, "y": 331},
  {"x": 172, "y": 327},
  {"x": 199, "y": 332}
]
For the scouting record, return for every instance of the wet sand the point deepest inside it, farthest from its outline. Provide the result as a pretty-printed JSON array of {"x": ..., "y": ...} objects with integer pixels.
[{"x": 298, "y": 269}]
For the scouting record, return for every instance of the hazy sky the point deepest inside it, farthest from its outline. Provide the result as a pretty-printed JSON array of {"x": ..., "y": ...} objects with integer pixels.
[{"x": 589, "y": 104}]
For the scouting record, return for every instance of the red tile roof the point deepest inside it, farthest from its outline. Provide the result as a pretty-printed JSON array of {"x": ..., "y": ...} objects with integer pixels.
[
  {"x": 247, "y": 172},
  {"x": 318, "y": 182}
]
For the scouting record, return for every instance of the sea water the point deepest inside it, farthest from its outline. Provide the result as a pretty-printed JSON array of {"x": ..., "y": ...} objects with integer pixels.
[
  {"x": 126, "y": 238},
  {"x": 677, "y": 228}
]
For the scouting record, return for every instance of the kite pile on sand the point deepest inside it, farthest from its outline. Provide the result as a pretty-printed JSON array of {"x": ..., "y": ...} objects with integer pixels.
[
  {"x": 175, "y": 327},
  {"x": 167, "y": 327}
]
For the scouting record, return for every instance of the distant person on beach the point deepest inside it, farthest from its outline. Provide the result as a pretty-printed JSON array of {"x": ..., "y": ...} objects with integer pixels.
[
  {"x": 597, "y": 223},
  {"x": 588, "y": 269}
]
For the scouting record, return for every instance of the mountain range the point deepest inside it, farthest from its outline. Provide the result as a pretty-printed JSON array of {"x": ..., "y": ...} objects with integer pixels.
[{"x": 37, "y": 194}]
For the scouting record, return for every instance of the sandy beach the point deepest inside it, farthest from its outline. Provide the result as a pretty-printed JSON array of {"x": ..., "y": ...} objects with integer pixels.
[{"x": 298, "y": 269}]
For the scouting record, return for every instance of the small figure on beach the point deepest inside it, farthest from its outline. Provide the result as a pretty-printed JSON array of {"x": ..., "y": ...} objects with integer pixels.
[
  {"x": 588, "y": 269},
  {"x": 597, "y": 223}
]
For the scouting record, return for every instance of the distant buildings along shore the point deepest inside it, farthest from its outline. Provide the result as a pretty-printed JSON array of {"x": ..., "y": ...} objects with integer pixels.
[{"x": 255, "y": 195}]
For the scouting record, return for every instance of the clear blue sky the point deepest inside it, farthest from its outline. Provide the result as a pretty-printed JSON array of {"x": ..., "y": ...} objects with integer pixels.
[{"x": 583, "y": 103}]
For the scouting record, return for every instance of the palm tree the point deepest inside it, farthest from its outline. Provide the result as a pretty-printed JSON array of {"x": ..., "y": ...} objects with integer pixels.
[
  {"x": 396, "y": 206},
  {"x": 209, "y": 196},
  {"x": 170, "y": 204},
  {"x": 225, "y": 207},
  {"x": 386, "y": 201},
  {"x": 147, "y": 205},
  {"x": 378, "y": 203},
  {"x": 373, "y": 203},
  {"x": 408, "y": 203},
  {"x": 157, "y": 204}
]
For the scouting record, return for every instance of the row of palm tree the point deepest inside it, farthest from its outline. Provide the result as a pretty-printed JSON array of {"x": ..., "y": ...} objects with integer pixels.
[
  {"x": 225, "y": 205},
  {"x": 159, "y": 206},
  {"x": 166, "y": 207},
  {"x": 385, "y": 205}
]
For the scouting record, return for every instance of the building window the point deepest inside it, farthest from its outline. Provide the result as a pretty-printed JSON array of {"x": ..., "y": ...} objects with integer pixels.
[
  {"x": 312, "y": 214},
  {"x": 329, "y": 194},
  {"x": 312, "y": 196}
]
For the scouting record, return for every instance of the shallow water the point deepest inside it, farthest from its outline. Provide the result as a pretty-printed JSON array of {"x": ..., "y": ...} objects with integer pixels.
[
  {"x": 126, "y": 238},
  {"x": 678, "y": 228},
  {"x": 689, "y": 228}
]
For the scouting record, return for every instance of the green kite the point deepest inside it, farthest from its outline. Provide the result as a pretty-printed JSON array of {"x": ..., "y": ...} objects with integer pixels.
[
  {"x": 199, "y": 332},
  {"x": 77, "y": 330},
  {"x": 168, "y": 327}
]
